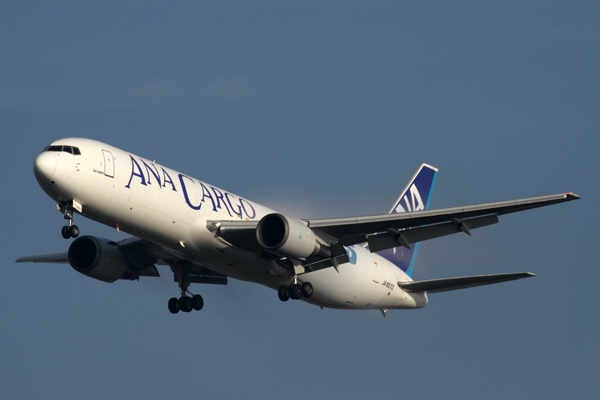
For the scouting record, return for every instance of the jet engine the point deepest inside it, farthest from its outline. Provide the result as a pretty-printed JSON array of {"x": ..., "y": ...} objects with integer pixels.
[
  {"x": 100, "y": 259},
  {"x": 287, "y": 237}
]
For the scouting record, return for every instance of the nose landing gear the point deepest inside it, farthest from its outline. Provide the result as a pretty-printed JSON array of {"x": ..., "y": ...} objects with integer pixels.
[{"x": 69, "y": 231}]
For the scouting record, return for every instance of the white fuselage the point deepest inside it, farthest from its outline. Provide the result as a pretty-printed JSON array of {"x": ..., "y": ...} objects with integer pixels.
[{"x": 171, "y": 209}]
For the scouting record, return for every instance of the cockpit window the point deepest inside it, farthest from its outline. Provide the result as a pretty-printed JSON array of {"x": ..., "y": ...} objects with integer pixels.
[{"x": 68, "y": 149}]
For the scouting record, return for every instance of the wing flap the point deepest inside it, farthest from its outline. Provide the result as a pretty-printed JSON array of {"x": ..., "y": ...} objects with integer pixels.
[
  {"x": 464, "y": 282},
  {"x": 240, "y": 234},
  {"x": 414, "y": 235}
]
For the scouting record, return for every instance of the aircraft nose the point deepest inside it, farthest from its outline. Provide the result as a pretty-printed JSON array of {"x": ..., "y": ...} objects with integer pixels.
[{"x": 44, "y": 165}]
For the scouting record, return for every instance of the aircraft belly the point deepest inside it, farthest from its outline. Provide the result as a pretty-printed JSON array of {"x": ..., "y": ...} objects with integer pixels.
[
  {"x": 367, "y": 282},
  {"x": 348, "y": 289}
]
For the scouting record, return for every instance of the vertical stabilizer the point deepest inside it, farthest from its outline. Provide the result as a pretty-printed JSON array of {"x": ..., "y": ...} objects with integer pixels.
[{"x": 415, "y": 197}]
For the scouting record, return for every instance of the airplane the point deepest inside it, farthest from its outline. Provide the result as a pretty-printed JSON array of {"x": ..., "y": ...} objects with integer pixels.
[{"x": 206, "y": 234}]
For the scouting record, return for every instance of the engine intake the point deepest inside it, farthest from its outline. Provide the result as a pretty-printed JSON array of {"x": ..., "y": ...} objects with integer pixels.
[
  {"x": 100, "y": 259},
  {"x": 286, "y": 236}
]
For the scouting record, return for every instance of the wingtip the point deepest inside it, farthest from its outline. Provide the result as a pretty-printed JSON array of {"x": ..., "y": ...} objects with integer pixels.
[{"x": 572, "y": 196}]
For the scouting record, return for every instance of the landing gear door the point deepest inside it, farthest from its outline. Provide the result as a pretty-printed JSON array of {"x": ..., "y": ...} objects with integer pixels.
[{"x": 109, "y": 164}]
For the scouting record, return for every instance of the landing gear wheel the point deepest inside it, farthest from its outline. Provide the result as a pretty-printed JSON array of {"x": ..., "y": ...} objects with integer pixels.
[
  {"x": 185, "y": 304},
  {"x": 66, "y": 232},
  {"x": 74, "y": 230},
  {"x": 188, "y": 301},
  {"x": 174, "y": 305},
  {"x": 283, "y": 292},
  {"x": 296, "y": 291},
  {"x": 197, "y": 302},
  {"x": 307, "y": 289}
]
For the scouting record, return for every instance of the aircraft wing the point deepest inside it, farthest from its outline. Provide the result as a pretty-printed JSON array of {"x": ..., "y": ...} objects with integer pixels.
[
  {"x": 142, "y": 256},
  {"x": 138, "y": 251},
  {"x": 58, "y": 258},
  {"x": 464, "y": 282},
  {"x": 424, "y": 225},
  {"x": 353, "y": 230}
]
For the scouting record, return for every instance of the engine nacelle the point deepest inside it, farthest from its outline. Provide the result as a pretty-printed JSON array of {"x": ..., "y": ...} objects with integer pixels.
[
  {"x": 99, "y": 258},
  {"x": 286, "y": 236}
]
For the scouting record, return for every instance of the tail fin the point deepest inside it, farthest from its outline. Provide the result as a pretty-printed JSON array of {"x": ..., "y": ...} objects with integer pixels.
[{"x": 415, "y": 197}]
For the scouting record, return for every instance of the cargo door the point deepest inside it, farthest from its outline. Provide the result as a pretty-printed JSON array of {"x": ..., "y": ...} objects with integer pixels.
[{"x": 109, "y": 164}]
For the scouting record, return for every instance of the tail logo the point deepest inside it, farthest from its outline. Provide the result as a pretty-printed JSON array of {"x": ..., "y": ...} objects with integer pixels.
[
  {"x": 412, "y": 203},
  {"x": 415, "y": 197}
]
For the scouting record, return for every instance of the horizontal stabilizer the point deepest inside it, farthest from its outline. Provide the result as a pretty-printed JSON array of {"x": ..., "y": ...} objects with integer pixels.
[{"x": 464, "y": 282}]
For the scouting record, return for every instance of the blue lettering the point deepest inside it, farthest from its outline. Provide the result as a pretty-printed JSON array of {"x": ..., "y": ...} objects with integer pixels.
[
  {"x": 148, "y": 170},
  {"x": 246, "y": 211},
  {"x": 134, "y": 164},
  {"x": 185, "y": 194},
  {"x": 219, "y": 197},
  {"x": 165, "y": 176},
  {"x": 239, "y": 208},
  {"x": 206, "y": 193}
]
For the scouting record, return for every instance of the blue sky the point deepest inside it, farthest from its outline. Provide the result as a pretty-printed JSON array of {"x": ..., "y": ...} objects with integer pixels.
[{"x": 318, "y": 110}]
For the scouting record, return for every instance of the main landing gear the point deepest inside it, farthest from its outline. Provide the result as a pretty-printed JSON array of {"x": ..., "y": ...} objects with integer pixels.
[
  {"x": 69, "y": 231},
  {"x": 295, "y": 291},
  {"x": 185, "y": 303}
]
